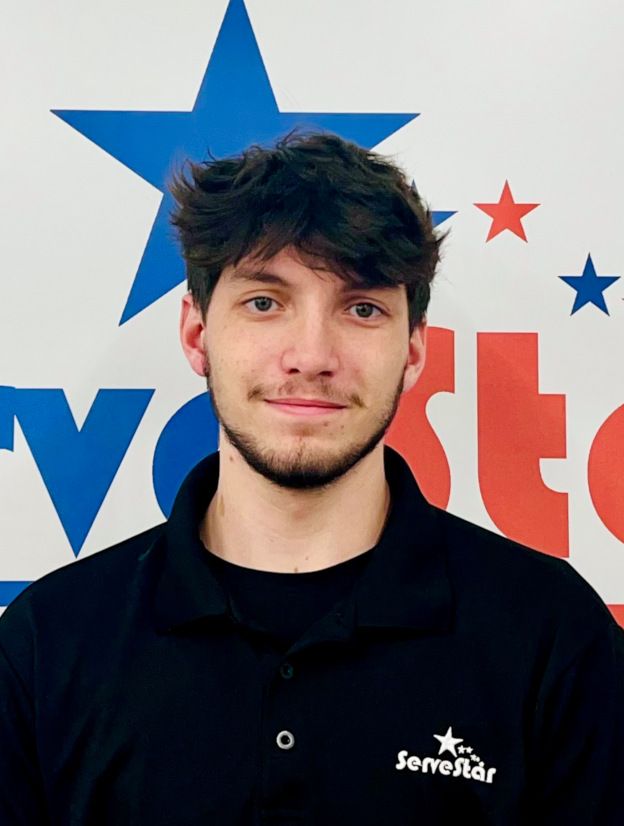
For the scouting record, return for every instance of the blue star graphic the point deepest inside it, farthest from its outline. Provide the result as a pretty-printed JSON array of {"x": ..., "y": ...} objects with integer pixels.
[
  {"x": 235, "y": 107},
  {"x": 589, "y": 287}
]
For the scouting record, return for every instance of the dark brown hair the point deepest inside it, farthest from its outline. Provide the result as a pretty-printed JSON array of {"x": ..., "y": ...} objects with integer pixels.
[{"x": 342, "y": 208}]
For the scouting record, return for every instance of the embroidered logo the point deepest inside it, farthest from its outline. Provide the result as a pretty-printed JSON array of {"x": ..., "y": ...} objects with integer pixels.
[{"x": 467, "y": 763}]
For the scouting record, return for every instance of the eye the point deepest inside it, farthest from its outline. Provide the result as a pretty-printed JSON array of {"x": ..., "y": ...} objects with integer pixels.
[
  {"x": 369, "y": 306},
  {"x": 261, "y": 302}
]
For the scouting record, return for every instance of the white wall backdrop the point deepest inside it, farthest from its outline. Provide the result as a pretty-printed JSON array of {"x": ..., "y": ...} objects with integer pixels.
[{"x": 528, "y": 94}]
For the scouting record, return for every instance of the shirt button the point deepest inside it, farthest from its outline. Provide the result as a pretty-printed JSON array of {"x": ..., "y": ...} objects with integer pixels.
[
  {"x": 285, "y": 740},
  {"x": 286, "y": 670}
]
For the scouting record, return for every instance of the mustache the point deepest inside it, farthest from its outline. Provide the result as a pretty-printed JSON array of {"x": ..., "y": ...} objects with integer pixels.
[{"x": 294, "y": 392}]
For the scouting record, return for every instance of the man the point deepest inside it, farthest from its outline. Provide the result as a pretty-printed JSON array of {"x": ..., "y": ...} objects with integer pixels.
[{"x": 306, "y": 640}]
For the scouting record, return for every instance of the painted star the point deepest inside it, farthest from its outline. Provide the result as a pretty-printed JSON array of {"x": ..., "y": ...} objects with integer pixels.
[
  {"x": 448, "y": 742},
  {"x": 506, "y": 214},
  {"x": 235, "y": 107},
  {"x": 589, "y": 287}
]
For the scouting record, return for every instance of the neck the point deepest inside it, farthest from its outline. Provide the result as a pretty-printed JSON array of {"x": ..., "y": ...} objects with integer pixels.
[{"x": 256, "y": 524}]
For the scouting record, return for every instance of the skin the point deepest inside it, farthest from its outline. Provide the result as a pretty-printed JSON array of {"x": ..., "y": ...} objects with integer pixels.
[{"x": 300, "y": 493}]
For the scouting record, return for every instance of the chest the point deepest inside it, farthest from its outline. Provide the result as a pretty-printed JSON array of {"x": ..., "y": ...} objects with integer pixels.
[{"x": 200, "y": 729}]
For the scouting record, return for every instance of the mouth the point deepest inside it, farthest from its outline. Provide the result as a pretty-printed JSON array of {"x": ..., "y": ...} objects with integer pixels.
[{"x": 305, "y": 409}]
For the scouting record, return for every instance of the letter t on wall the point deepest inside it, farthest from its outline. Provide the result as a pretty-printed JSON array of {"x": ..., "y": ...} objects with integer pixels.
[{"x": 517, "y": 426}]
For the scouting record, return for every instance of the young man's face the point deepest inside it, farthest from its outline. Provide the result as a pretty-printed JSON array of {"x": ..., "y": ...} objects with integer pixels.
[{"x": 282, "y": 331}]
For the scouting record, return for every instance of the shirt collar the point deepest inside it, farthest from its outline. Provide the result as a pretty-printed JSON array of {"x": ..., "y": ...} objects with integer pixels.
[{"x": 404, "y": 584}]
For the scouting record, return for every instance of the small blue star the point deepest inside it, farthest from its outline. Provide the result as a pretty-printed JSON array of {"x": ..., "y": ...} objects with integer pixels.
[
  {"x": 589, "y": 287},
  {"x": 235, "y": 107}
]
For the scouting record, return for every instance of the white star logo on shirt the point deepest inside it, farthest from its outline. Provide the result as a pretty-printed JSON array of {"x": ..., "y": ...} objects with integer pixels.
[{"x": 448, "y": 742}]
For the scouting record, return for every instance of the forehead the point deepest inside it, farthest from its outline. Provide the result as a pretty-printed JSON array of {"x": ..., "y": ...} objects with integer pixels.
[{"x": 291, "y": 271}]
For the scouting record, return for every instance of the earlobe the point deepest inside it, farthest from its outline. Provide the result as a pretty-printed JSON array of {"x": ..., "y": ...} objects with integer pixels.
[
  {"x": 192, "y": 335},
  {"x": 416, "y": 356}
]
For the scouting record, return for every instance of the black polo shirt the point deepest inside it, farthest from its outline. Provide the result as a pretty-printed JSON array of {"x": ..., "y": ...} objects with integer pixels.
[{"x": 448, "y": 676}]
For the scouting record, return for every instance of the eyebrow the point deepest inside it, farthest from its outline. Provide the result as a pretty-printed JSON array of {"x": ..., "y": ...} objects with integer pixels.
[
  {"x": 267, "y": 277},
  {"x": 262, "y": 276}
]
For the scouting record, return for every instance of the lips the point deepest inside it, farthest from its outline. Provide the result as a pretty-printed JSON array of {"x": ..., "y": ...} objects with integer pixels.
[
  {"x": 305, "y": 407},
  {"x": 305, "y": 402}
]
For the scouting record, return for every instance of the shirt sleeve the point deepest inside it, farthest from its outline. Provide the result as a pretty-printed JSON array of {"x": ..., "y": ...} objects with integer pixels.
[
  {"x": 21, "y": 790},
  {"x": 579, "y": 765}
]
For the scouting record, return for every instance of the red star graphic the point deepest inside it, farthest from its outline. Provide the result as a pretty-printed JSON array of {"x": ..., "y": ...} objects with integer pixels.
[{"x": 506, "y": 214}]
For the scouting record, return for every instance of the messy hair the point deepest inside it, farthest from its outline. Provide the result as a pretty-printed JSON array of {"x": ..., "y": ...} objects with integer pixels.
[{"x": 343, "y": 208}]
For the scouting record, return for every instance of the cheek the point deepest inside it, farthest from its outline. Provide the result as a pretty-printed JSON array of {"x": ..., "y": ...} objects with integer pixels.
[
  {"x": 226, "y": 347},
  {"x": 240, "y": 366},
  {"x": 384, "y": 367}
]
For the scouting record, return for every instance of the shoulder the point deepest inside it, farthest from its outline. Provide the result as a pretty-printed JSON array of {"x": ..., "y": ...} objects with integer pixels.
[
  {"x": 81, "y": 588},
  {"x": 526, "y": 592}
]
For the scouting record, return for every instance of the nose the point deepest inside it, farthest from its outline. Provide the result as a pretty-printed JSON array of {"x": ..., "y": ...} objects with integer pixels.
[{"x": 310, "y": 348}]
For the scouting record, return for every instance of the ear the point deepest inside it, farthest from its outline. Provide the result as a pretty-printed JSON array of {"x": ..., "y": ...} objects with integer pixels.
[
  {"x": 192, "y": 334},
  {"x": 416, "y": 356}
]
